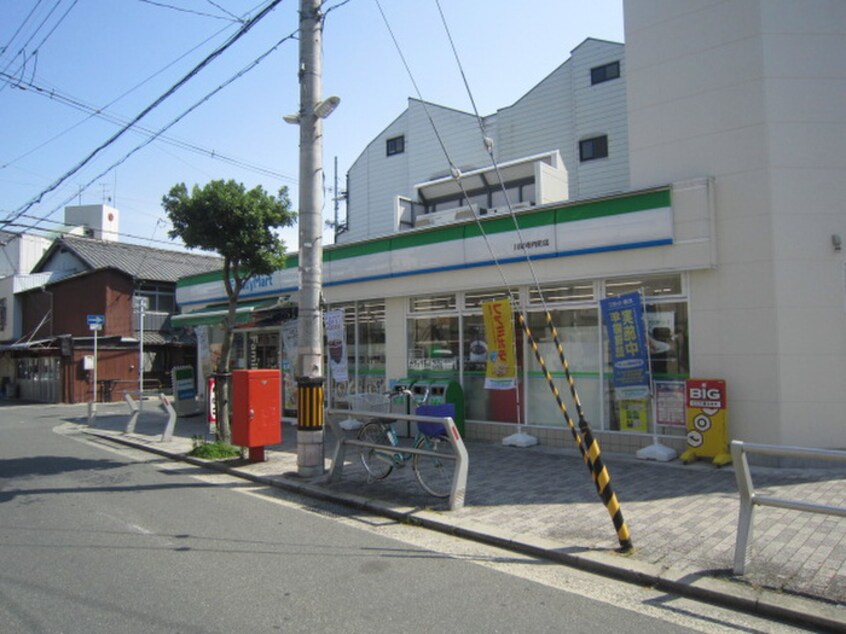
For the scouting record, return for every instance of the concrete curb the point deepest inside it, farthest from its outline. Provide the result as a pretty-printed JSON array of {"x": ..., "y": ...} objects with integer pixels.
[{"x": 693, "y": 584}]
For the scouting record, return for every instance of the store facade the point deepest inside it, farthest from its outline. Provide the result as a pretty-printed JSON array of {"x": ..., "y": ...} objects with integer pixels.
[{"x": 412, "y": 307}]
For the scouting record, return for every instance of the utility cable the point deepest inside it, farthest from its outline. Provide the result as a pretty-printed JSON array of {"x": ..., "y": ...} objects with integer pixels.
[
  {"x": 46, "y": 37},
  {"x": 93, "y": 111},
  {"x": 61, "y": 225},
  {"x": 101, "y": 111},
  {"x": 20, "y": 28},
  {"x": 590, "y": 450},
  {"x": 245, "y": 28},
  {"x": 173, "y": 122},
  {"x": 232, "y": 18}
]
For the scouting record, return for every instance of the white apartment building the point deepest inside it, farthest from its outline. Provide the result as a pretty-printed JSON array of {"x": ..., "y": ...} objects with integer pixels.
[
  {"x": 579, "y": 108},
  {"x": 702, "y": 163}
]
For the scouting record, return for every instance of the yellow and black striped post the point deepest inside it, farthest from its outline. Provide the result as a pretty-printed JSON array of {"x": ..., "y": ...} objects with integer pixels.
[
  {"x": 309, "y": 403},
  {"x": 588, "y": 446},
  {"x": 310, "y": 458},
  {"x": 600, "y": 474},
  {"x": 546, "y": 373}
]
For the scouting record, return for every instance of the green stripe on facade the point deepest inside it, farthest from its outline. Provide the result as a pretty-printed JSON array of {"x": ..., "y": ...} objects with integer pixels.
[{"x": 653, "y": 199}]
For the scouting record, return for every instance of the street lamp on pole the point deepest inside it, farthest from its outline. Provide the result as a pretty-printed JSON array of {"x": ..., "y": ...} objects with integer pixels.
[{"x": 309, "y": 367}]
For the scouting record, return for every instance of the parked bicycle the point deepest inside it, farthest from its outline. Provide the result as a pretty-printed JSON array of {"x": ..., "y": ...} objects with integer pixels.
[{"x": 433, "y": 469}]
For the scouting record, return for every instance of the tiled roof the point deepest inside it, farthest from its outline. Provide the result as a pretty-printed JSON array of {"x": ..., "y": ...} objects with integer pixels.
[{"x": 143, "y": 263}]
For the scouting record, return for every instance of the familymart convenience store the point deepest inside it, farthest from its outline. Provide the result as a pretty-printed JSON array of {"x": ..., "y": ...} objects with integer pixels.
[{"x": 412, "y": 309}]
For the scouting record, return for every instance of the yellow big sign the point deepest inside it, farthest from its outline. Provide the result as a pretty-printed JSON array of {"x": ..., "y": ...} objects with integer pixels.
[{"x": 707, "y": 432}]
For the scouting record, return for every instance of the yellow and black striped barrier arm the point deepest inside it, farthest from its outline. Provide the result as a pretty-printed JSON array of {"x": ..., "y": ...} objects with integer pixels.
[
  {"x": 564, "y": 364},
  {"x": 588, "y": 446},
  {"x": 546, "y": 373},
  {"x": 601, "y": 478}
]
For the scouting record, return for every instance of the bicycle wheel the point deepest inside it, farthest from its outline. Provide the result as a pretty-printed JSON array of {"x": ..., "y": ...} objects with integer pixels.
[
  {"x": 375, "y": 462},
  {"x": 433, "y": 472}
]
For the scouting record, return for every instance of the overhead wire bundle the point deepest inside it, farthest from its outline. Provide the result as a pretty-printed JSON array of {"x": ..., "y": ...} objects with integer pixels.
[{"x": 583, "y": 436}]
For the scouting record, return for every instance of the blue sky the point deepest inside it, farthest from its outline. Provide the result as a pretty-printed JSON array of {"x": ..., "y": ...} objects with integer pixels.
[{"x": 76, "y": 67}]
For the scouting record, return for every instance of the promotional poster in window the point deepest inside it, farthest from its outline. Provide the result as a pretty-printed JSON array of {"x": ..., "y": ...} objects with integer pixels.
[{"x": 623, "y": 317}]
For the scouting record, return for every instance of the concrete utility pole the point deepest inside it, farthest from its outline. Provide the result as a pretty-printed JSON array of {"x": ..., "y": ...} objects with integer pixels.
[{"x": 309, "y": 370}]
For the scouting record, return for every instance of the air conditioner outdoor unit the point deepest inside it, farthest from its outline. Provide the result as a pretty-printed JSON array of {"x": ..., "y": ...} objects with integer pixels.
[{"x": 446, "y": 217}]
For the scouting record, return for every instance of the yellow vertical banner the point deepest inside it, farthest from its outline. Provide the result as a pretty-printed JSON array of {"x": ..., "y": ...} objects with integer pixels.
[{"x": 501, "y": 366}]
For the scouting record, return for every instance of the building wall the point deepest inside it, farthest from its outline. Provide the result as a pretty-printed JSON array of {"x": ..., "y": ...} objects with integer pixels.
[
  {"x": 376, "y": 179},
  {"x": 565, "y": 108},
  {"x": 104, "y": 292},
  {"x": 561, "y": 110},
  {"x": 751, "y": 94},
  {"x": 20, "y": 252}
]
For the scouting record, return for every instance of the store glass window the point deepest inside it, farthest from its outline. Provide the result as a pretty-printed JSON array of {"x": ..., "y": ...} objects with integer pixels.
[
  {"x": 652, "y": 286},
  {"x": 370, "y": 355},
  {"x": 432, "y": 303},
  {"x": 433, "y": 347},
  {"x": 364, "y": 333},
  {"x": 667, "y": 329},
  {"x": 578, "y": 333},
  {"x": 566, "y": 292}
]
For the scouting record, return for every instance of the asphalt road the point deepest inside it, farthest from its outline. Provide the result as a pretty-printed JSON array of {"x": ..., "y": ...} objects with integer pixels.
[{"x": 96, "y": 539}]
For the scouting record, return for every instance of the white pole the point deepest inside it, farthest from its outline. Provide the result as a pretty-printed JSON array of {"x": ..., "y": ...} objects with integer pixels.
[
  {"x": 141, "y": 347},
  {"x": 94, "y": 399},
  {"x": 655, "y": 451}
]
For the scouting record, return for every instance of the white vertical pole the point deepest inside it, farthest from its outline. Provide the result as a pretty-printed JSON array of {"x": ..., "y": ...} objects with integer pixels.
[
  {"x": 141, "y": 347},
  {"x": 96, "y": 361}
]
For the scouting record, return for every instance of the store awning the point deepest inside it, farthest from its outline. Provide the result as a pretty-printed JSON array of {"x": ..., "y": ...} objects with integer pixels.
[{"x": 211, "y": 315}]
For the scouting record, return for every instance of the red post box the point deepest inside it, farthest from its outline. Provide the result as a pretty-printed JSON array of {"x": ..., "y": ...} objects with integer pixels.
[{"x": 256, "y": 410}]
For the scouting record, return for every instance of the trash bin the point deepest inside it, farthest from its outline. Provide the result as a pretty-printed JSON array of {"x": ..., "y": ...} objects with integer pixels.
[
  {"x": 256, "y": 410},
  {"x": 421, "y": 391},
  {"x": 443, "y": 392}
]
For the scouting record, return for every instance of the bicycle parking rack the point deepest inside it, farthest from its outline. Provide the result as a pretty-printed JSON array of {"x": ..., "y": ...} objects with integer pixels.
[
  {"x": 749, "y": 498},
  {"x": 135, "y": 409},
  {"x": 459, "y": 478}
]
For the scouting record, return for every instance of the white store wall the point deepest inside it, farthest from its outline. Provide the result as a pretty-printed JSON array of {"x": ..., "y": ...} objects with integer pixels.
[{"x": 752, "y": 94}]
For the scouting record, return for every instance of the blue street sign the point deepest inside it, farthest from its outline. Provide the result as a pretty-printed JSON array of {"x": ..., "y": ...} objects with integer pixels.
[{"x": 95, "y": 322}]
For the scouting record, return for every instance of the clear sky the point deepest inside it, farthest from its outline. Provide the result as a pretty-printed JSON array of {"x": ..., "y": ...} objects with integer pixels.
[{"x": 75, "y": 71}]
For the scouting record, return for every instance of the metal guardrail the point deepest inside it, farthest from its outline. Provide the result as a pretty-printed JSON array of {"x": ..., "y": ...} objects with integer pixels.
[
  {"x": 135, "y": 409},
  {"x": 749, "y": 498},
  {"x": 458, "y": 487}
]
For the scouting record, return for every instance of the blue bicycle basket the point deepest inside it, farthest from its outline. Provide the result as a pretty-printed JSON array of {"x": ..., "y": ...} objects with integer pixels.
[{"x": 439, "y": 411}]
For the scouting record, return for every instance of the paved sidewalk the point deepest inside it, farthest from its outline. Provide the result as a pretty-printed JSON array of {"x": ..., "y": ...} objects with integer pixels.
[{"x": 682, "y": 518}]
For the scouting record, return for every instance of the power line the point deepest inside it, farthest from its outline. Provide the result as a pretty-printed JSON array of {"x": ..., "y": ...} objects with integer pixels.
[
  {"x": 205, "y": 15},
  {"x": 24, "y": 227},
  {"x": 20, "y": 28},
  {"x": 46, "y": 37},
  {"x": 100, "y": 113},
  {"x": 53, "y": 91},
  {"x": 217, "y": 6},
  {"x": 245, "y": 28},
  {"x": 173, "y": 122}
]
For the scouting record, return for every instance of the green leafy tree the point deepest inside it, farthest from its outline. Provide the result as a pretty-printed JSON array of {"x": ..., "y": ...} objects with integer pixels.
[{"x": 239, "y": 225}]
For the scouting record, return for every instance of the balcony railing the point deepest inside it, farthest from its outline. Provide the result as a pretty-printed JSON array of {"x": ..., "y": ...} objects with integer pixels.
[{"x": 154, "y": 321}]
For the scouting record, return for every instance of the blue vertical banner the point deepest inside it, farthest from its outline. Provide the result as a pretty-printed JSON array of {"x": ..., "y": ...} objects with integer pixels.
[{"x": 623, "y": 317}]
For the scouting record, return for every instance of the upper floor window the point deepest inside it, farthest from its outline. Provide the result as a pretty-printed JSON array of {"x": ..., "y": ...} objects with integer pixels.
[
  {"x": 160, "y": 298},
  {"x": 593, "y": 148},
  {"x": 606, "y": 72},
  {"x": 396, "y": 145}
]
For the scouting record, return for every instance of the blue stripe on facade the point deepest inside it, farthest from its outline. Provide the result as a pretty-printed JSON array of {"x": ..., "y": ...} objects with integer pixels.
[{"x": 454, "y": 267}]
